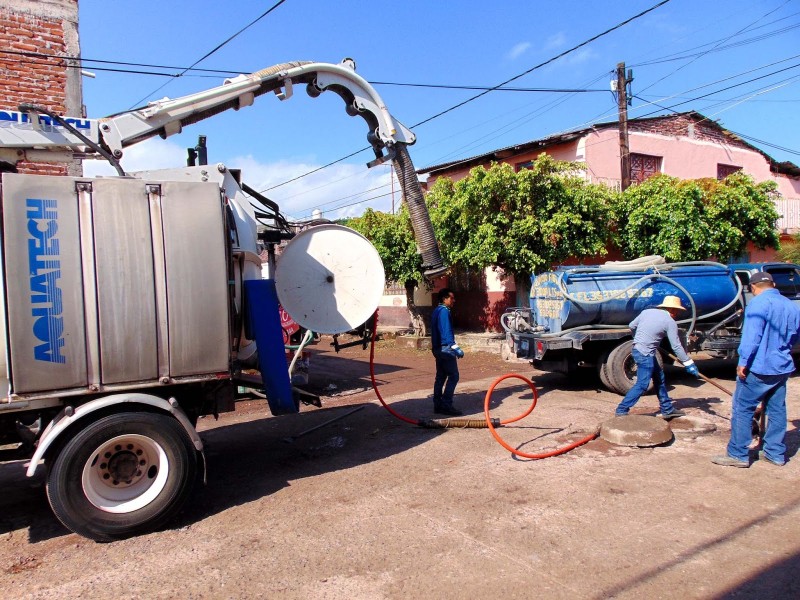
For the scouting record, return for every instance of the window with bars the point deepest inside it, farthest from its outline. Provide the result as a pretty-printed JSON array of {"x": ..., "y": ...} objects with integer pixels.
[
  {"x": 393, "y": 288},
  {"x": 724, "y": 170},
  {"x": 528, "y": 164},
  {"x": 644, "y": 166}
]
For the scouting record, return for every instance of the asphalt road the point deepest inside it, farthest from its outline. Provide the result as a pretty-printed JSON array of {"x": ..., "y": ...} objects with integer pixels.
[{"x": 370, "y": 507}]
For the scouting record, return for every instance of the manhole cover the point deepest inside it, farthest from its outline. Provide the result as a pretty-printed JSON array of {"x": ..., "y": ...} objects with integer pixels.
[{"x": 636, "y": 430}]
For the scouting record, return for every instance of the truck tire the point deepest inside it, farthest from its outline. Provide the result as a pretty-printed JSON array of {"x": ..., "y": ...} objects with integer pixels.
[
  {"x": 603, "y": 372},
  {"x": 123, "y": 475},
  {"x": 621, "y": 368}
]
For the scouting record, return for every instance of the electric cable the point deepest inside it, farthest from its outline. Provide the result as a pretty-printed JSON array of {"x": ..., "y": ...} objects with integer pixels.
[
  {"x": 494, "y": 88},
  {"x": 212, "y": 51},
  {"x": 706, "y": 52}
]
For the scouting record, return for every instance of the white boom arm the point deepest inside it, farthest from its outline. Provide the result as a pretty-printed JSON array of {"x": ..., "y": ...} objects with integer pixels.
[
  {"x": 37, "y": 134},
  {"x": 32, "y": 129}
]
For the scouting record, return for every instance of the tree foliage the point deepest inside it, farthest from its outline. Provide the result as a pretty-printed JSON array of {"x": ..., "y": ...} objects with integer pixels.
[
  {"x": 696, "y": 219},
  {"x": 790, "y": 251},
  {"x": 393, "y": 238},
  {"x": 522, "y": 222}
]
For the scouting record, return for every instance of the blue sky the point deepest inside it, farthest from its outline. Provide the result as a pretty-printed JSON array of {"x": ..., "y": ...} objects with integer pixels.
[{"x": 678, "y": 52}]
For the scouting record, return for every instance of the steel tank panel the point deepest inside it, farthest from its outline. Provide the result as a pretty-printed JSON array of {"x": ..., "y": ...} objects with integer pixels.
[
  {"x": 44, "y": 283},
  {"x": 609, "y": 297},
  {"x": 195, "y": 258},
  {"x": 126, "y": 296}
]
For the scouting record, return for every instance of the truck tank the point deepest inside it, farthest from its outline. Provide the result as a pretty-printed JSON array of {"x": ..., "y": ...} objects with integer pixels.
[{"x": 572, "y": 297}]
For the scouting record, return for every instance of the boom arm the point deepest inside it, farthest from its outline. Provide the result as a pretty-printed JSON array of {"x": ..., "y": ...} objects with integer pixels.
[
  {"x": 41, "y": 134},
  {"x": 168, "y": 116}
]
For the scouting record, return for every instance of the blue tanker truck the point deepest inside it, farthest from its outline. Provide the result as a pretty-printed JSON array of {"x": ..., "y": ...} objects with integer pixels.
[{"x": 578, "y": 315}]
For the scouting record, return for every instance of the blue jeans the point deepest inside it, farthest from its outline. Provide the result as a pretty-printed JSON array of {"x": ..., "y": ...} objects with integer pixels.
[
  {"x": 446, "y": 371},
  {"x": 771, "y": 390},
  {"x": 647, "y": 368}
]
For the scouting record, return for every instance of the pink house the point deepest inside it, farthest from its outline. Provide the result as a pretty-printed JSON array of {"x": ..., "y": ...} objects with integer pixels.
[{"x": 685, "y": 145}]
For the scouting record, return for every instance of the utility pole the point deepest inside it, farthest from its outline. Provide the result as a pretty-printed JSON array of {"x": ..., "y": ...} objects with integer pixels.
[{"x": 622, "y": 103}]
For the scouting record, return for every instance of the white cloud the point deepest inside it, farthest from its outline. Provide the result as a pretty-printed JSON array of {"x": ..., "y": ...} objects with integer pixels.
[
  {"x": 581, "y": 56},
  {"x": 338, "y": 191},
  {"x": 518, "y": 50},
  {"x": 342, "y": 190},
  {"x": 555, "y": 41},
  {"x": 150, "y": 154}
]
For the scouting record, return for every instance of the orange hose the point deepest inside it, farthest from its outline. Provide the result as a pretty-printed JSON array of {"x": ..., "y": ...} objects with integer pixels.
[
  {"x": 490, "y": 423},
  {"x": 372, "y": 376},
  {"x": 502, "y": 442}
]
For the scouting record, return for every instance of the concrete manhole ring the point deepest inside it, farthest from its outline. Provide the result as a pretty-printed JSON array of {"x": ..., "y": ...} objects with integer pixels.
[
  {"x": 691, "y": 426},
  {"x": 636, "y": 430}
]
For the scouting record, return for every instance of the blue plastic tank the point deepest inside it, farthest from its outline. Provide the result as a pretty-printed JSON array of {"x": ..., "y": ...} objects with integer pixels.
[{"x": 579, "y": 296}]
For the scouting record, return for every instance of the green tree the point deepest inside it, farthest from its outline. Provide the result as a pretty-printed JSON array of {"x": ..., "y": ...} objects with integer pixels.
[
  {"x": 522, "y": 222},
  {"x": 739, "y": 210},
  {"x": 790, "y": 251},
  {"x": 393, "y": 238},
  {"x": 696, "y": 219}
]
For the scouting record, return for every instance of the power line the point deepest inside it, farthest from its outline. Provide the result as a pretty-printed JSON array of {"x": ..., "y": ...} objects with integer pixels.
[
  {"x": 542, "y": 64},
  {"x": 486, "y": 88},
  {"x": 782, "y": 148},
  {"x": 209, "y": 53},
  {"x": 672, "y": 108},
  {"x": 494, "y": 88},
  {"x": 681, "y": 56},
  {"x": 712, "y": 48}
]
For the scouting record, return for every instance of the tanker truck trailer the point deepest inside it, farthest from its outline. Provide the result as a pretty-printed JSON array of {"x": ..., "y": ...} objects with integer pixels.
[{"x": 578, "y": 315}]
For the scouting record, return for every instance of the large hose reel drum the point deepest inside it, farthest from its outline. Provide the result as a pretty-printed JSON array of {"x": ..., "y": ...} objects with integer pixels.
[{"x": 330, "y": 279}]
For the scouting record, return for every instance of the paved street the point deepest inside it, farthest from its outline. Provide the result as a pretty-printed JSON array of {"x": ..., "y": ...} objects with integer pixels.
[{"x": 371, "y": 507}]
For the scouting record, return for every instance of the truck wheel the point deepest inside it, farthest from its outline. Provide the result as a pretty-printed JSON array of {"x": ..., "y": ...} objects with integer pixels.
[
  {"x": 622, "y": 368},
  {"x": 603, "y": 372},
  {"x": 125, "y": 474}
]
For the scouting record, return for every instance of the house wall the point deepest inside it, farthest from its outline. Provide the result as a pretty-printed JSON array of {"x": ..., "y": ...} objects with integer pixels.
[
  {"x": 689, "y": 150},
  {"x": 568, "y": 151},
  {"x": 690, "y": 158},
  {"x": 47, "y": 27}
]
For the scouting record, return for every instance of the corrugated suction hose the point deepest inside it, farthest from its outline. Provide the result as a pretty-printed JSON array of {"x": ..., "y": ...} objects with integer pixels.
[{"x": 432, "y": 263}]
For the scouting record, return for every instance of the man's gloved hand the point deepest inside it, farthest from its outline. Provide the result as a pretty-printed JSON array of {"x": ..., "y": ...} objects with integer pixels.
[
  {"x": 691, "y": 368},
  {"x": 457, "y": 351}
]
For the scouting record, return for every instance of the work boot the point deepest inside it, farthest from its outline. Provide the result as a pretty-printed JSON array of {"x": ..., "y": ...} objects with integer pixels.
[
  {"x": 729, "y": 461},
  {"x": 762, "y": 456},
  {"x": 451, "y": 411},
  {"x": 672, "y": 414}
]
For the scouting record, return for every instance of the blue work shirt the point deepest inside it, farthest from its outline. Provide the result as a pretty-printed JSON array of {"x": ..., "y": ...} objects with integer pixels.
[
  {"x": 650, "y": 327},
  {"x": 441, "y": 329},
  {"x": 771, "y": 328}
]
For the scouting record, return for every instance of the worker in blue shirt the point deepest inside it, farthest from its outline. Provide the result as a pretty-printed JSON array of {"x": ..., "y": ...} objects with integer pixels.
[
  {"x": 649, "y": 328},
  {"x": 446, "y": 352},
  {"x": 771, "y": 327}
]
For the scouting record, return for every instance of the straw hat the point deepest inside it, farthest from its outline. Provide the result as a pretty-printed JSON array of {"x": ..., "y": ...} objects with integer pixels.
[{"x": 671, "y": 302}]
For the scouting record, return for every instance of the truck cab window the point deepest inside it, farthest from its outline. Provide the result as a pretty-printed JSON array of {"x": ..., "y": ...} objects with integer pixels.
[{"x": 787, "y": 281}]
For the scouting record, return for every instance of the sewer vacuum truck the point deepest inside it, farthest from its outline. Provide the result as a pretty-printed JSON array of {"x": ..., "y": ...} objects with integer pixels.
[
  {"x": 578, "y": 315},
  {"x": 133, "y": 305}
]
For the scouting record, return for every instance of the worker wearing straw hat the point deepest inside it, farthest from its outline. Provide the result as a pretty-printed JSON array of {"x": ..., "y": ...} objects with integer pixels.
[{"x": 649, "y": 328}]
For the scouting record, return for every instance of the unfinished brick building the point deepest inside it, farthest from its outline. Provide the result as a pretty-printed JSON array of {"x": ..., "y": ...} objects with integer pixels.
[{"x": 36, "y": 39}]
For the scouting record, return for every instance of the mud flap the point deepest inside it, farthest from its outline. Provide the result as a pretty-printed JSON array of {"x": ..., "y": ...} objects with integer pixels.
[{"x": 265, "y": 323}]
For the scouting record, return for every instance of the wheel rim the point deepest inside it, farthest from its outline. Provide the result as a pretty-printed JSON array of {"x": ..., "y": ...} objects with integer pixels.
[
  {"x": 125, "y": 474},
  {"x": 630, "y": 369}
]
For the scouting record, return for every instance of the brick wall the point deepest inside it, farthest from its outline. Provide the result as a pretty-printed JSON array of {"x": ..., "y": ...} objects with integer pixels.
[
  {"x": 49, "y": 28},
  {"x": 686, "y": 126}
]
